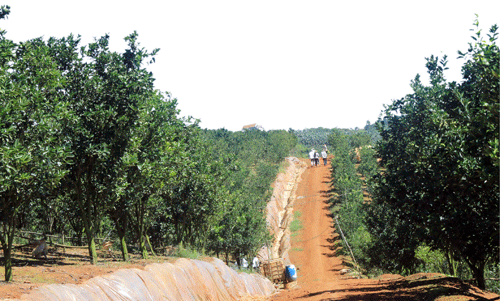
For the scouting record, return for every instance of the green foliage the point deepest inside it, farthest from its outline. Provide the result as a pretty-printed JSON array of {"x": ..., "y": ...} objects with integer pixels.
[
  {"x": 368, "y": 166},
  {"x": 347, "y": 199},
  {"x": 359, "y": 138},
  {"x": 439, "y": 147},
  {"x": 492, "y": 271},
  {"x": 253, "y": 158},
  {"x": 312, "y": 138},
  {"x": 4, "y": 11},
  {"x": 338, "y": 141},
  {"x": 371, "y": 130},
  {"x": 33, "y": 111},
  {"x": 318, "y": 137},
  {"x": 300, "y": 151},
  {"x": 105, "y": 90},
  {"x": 432, "y": 260},
  {"x": 393, "y": 241},
  {"x": 184, "y": 252}
]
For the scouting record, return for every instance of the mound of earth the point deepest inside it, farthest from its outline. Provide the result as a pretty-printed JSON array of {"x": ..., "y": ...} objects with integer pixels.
[{"x": 71, "y": 267}]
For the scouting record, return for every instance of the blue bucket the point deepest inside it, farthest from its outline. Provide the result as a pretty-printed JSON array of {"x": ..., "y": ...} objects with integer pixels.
[{"x": 290, "y": 273}]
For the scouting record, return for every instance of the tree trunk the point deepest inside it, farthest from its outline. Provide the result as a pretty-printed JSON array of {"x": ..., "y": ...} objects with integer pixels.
[
  {"x": 121, "y": 222},
  {"x": 478, "y": 272},
  {"x": 142, "y": 246},
  {"x": 124, "y": 248},
  {"x": 8, "y": 264},
  {"x": 140, "y": 212},
  {"x": 7, "y": 239},
  {"x": 79, "y": 238},
  {"x": 150, "y": 246},
  {"x": 451, "y": 263},
  {"x": 91, "y": 245},
  {"x": 140, "y": 232}
]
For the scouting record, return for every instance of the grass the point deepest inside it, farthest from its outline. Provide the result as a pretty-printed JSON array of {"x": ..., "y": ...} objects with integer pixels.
[
  {"x": 187, "y": 252},
  {"x": 296, "y": 224},
  {"x": 283, "y": 166},
  {"x": 41, "y": 279}
]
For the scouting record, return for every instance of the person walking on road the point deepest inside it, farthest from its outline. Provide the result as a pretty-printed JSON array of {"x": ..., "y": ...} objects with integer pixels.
[
  {"x": 316, "y": 158},
  {"x": 311, "y": 156},
  {"x": 324, "y": 156}
]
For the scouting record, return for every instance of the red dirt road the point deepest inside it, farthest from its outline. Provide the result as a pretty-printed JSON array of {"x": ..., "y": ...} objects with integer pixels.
[
  {"x": 313, "y": 252},
  {"x": 318, "y": 268}
]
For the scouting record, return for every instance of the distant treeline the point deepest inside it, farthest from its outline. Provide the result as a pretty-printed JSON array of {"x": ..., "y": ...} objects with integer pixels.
[{"x": 317, "y": 137}]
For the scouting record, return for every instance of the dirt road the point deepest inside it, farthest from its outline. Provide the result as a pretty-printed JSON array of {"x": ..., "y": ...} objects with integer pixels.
[
  {"x": 318, "y": 267},
  {"x": 313, "y": 252}
]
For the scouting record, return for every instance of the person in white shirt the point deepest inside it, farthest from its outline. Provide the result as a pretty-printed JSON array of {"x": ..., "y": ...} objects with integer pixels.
[
  {"x": 324, "y": 156},
  {"x": 311, "y": 156},
  {"x": 255, "y": 263},
  {"x": 244, "y": 263}
]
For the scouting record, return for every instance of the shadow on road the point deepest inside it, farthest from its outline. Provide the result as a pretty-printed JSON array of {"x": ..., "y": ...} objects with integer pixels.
[{"x": 404, "y": 290}]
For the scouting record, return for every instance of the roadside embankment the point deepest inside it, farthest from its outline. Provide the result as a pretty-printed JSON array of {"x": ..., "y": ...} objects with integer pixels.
[
  {"x": 279, "y": 210},
  {"x": 183, "y": 280}
]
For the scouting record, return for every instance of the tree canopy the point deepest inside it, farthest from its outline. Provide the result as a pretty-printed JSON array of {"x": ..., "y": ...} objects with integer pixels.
[{"x": 439, "y": 148}]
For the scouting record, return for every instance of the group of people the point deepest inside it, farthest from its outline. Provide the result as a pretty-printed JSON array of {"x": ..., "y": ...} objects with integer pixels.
[
  {"x": 314, "y": 156},
  {"x": 244, "y": 263}
]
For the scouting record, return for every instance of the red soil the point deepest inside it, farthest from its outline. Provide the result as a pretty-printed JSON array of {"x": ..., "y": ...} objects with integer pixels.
[{"x": 319, "y": 268}]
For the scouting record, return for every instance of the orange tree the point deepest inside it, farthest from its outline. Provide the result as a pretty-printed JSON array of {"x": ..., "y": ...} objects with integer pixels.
[
  {"x": 440, "y": 150},
  {"x": 32, "y": 113},
  {"x": 104, "y": 90}
]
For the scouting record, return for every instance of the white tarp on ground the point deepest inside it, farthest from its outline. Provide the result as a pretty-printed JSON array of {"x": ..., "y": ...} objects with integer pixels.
[{"x": 183, "y": 280}]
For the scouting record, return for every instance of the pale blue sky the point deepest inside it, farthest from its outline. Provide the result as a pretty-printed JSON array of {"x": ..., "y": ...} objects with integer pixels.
[{"x": 281, "y": 64}]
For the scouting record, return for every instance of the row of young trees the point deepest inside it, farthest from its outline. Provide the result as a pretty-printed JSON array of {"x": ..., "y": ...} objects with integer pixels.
[
  {"x": 255, "y": 158},
  {"x": 347, "y": 193},
  {"x": 88, "y": 145},
  {"x": 436, "y": 187}
]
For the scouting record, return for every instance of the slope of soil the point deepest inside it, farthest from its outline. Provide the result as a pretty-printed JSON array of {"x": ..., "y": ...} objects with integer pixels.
[
  {"x": 71, "y": 267},
  {"x": 319, "y": 268},
  {"x": 179, "y": 279}
]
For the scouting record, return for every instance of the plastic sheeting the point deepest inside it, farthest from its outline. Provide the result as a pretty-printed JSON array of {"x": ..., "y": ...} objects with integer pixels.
[{"x": 184, "y": 280}]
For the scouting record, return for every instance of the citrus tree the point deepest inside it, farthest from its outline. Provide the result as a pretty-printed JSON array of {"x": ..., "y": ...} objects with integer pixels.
[
  {"x": 440, "y": 150},
  {"x": 33, "y": 155}
]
